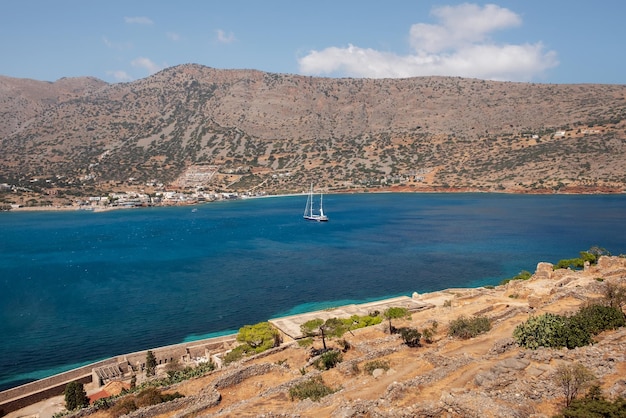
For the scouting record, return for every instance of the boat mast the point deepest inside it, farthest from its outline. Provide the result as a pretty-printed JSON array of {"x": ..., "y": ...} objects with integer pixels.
[{"x": 311, "y": 201}]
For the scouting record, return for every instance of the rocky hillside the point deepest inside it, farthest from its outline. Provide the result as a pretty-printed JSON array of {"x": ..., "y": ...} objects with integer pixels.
[
  {"x": 485, "y": 376},
  {"x": 256, "y": 131}
]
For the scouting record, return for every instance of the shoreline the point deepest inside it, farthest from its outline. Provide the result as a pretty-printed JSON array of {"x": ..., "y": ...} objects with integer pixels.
[
  {"x": 199, "y": 339},
  {"x": 72, "y": 208},
  {"x": 495, "y": 301},
  {"x": 287, "y": 324}
]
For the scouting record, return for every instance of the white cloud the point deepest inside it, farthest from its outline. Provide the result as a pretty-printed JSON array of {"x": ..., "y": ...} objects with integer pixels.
[
  {"x": 173, "y": 36},
  {"x": 225, "y": 38},
  {"x": 140, "y": 20},
  {"x": 146, "y": 64},
  {"x": 461, "y": 25},
  {"x": 120, "y": 75},
  {"x": 459, "y": 45}
]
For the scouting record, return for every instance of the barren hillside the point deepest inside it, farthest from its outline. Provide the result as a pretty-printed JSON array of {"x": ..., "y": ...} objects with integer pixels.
[{"x": 276, "y": 132}]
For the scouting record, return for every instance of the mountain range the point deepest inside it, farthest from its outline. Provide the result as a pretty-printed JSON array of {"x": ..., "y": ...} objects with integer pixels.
[{"x": 192, "y": 126}]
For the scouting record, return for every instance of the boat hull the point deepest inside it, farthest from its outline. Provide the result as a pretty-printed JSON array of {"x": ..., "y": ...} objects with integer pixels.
[{"x": 318, "y": 218}]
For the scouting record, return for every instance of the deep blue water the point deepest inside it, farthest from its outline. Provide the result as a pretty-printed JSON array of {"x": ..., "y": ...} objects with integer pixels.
[{"x": 79, "y": 286}]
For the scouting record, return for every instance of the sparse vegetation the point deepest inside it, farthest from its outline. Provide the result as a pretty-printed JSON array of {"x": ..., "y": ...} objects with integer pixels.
[
  {"x": 466, "y": 328},
  {"x": 314, "y": 389},
  {"x": 522, "y": 275},
  {"x": 147, "y": 397},
  {"x": 594, "y": 405},
  {"x": 133, "y": 139},
  {"x": 429, "y": 332},
  {"x": 614, "y": 295},
  {"x": 328, "y": 360},
  {"x": 370, "y": 366},
  {"x": 572, "y": 378}
]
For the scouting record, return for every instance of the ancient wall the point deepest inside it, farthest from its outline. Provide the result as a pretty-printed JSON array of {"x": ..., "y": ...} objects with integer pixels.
[{"x": 29, "y": 393}]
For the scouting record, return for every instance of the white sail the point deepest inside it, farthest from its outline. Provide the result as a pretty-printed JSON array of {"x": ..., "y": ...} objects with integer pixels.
[{"x": 309, "y": 211}]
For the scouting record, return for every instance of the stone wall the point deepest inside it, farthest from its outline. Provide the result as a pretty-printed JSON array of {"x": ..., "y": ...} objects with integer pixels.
[
  {"x": 30, "y": 393},
  {"x": 33, "y": 394}
]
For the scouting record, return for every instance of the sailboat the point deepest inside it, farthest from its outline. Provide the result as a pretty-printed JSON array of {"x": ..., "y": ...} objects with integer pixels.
[{"x": 309, "y": 213}]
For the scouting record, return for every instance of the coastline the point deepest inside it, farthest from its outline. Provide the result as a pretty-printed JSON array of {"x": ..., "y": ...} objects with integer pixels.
[
  {"x": 506, "y": 305},
  {"x": 288, "y": 325},
  {"x": 400, "y": 190}
]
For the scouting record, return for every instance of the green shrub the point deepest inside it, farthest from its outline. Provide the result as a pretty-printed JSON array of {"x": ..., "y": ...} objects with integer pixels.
[
  {"x": 591, "y": 256},
  {"x": 429, "y": 333},
  {"x": 356, "y": 321},
  {"x": 551, "y": 330},
  {"x": 594, "y": 405},
  {"x": 313, "y": 389},
  {"x": 522, "y": 275},
  {"x": 370, "y": 366},
  {"x": 259, "y": 337},
  {"x": 598, "y": 318},
  {"x": 574, "y": 263},
  {"x": 410, "y": 336},
  {"x": 235, "y": 354},
  {"x": 328, "y": 360},
  {"x": 305, "y": 342},
  {"x": 466, "y": 328},
  {"x": 186, "y": 373},
  {"x": 546, "y": 330}
]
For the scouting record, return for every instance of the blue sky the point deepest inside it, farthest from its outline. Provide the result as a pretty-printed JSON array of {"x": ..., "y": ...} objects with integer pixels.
[{"x": 548, "y": 41}]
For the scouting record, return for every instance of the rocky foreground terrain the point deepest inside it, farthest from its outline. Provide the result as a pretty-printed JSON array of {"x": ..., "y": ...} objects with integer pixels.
[
  {"x": 246, "y": 131},
  {"x": 486, "y": 376}
]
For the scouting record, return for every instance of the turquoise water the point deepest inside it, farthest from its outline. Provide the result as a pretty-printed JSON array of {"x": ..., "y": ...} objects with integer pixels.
[{"x": 78, "y": 286}]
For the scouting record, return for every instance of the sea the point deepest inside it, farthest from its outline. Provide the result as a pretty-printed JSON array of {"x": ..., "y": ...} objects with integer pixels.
[{"x": 80, "y": 286}]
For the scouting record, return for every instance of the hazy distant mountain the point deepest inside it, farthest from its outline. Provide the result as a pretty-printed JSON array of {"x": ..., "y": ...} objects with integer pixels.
[{"x": 278, "y": 132}]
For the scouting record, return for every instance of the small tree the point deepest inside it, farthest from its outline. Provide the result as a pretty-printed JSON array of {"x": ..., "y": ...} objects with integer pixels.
[
  {"x": 313, "y": 328},
  {"x": 411, "y": 336},
  {"x": 396, "y": 313},
  {"x": 332, "y": 327},
  {"x": 75, "y": 396},
  {"x": 259, "y": 337},
  {"x": 572, "y": 379},
  {"x": 151, "y": 363},
  {"x": 597, "y": 252},
  {"x": 614, "y": 295}
]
